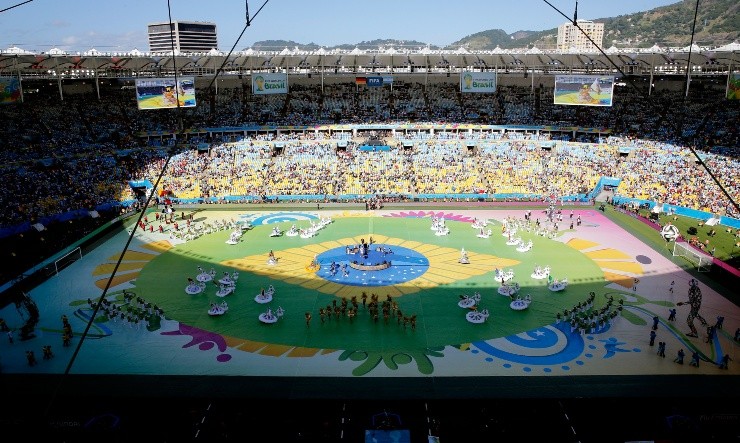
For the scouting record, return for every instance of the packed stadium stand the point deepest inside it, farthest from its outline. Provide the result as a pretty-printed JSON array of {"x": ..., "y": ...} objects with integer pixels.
[{"x": 80, "y": 158}]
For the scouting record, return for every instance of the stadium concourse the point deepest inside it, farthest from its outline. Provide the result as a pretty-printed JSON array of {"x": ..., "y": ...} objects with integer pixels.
[{"x": 467, "y": 352}]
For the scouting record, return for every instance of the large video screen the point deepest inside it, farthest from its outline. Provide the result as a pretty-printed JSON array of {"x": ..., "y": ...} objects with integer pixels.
[
  {"x": 387, "y": 436},
  {"x": 10, "y": 90},
  {"x": 583, "y": 90},
  {"x": 158, "y": 93},
  {"x": 733, "y": 87}
]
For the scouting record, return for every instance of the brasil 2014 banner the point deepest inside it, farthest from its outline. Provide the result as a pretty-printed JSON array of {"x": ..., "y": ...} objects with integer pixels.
[
  {"x": 733, "y": 87},
  {"x": 477, "y": 81},
  {"x": 270, "y": 84},
  {"x": 584, "y": 90},
  {"x": 158, "y": 93},
  {"x": 10, "y": 90}
]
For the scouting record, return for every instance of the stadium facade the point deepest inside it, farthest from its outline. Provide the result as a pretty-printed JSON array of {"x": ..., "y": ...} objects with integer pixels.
[{"x": 422, "y": 62}]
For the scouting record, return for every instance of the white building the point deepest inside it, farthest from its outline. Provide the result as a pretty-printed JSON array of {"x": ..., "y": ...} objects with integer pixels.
[
  {"x": 188, "y": 37},
  {"x": 570, "y": 36}
]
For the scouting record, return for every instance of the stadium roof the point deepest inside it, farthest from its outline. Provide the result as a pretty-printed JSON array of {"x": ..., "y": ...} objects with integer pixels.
[{"x": 15, "y": 60}]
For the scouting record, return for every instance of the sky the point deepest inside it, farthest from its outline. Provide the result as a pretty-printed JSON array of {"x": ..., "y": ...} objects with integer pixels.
[{"x": 121, "y": 25}]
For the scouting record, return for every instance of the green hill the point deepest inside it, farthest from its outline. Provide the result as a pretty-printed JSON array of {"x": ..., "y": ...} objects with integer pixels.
[{"x": 718, "y": 23}]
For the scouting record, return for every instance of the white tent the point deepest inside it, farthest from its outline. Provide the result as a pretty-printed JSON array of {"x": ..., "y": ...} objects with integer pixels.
[{"x": 734, "y": 46}]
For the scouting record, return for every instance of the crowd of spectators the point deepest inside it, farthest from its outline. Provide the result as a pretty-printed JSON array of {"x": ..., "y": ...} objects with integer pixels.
[{"x": 80, "y": 153}]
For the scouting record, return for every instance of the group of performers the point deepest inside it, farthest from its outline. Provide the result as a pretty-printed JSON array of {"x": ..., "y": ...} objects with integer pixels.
[
  {"x": 265, "y": 295},
  {"x": 218, "y": 308},
  {"x": 540, "y": 272},
  {"x": 270, "y": 317},
  {"x": 235, "y": 236},
  {"x": 509, "y": 289},
  {"x": 502, "y": 276},
  {"x": 469, "y": 302},
  {"x": 584, "y": 318},
  {"x": 439, "y": 227},
  {"x": 477, "y": 316},
  {"x": 363, "y": 248},
  {"x": 271, "y": 259},
  {"x": 556, "y": 285},
  {"x": 336, "y": 267},
  {"x": 350, "y": 309},
  {"x": 464, "y": 260},
  {"x": 292, "y": 232},
  {"x": 227, "y": 284},
  {"x": 519, "y": 304},
  {"x": 479, "y": 223},
  {"x": 303, "y": 232}
]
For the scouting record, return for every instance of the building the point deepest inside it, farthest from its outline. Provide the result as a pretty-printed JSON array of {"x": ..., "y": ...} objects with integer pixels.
[
  {"x": 188, "y": 36},
  {"x": 570, "y": 36}
]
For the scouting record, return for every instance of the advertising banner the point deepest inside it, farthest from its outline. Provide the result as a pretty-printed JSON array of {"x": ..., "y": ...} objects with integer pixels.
[
  {"x": 374, "y": 82},
  {"x": 477, "y": 81},
  {"x": 276, "y": 83},
  {"x": 158, "y": 93},
  {"x": 583, "y": 90}
]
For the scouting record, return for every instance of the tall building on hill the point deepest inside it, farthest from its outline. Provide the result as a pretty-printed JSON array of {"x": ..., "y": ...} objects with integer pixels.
[
  {"x": 570, "y": 36},
  {"x": 188, "y": 36}
]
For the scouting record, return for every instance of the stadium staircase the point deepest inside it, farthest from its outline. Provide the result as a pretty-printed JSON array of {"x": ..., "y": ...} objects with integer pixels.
[
  {"x": 604, "y": 195},
  {"x": 84, "y": 120},
  {"x": 320, "y": 107},
  {"x": 391, "y": 106},
  {"x": 286, "y": 105},
  {"x": 427, "y": 104}
]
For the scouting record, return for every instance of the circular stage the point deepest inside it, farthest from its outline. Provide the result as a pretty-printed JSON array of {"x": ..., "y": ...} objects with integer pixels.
[{"x": 396, "y": 265}]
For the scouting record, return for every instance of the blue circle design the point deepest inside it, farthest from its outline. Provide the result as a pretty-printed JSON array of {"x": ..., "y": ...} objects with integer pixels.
[
  {"x": 591, "y": 347},
  {"x": 281, "y": 217},
  {"x": 474, "y": 351},
  {"x": 406, "y": 265},
  {"x": 547, "y": 370},
  {"x": 589, "y": 355},
  {"x": 565, "y": 368},
  {"x": 579, "y": 362},
  {"x": 489, "y": 359},
  {"x": 527, "y": 369},
  {"x": 547, "y": 338},
  {"x": 507, "y": 365},
  {"x": 636, "y": 350}
]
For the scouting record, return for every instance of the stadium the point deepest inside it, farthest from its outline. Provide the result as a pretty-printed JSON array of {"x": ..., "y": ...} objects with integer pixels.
[{"x": 351, "y": 244}]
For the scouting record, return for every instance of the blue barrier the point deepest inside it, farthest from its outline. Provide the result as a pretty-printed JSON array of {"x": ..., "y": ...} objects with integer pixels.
[
  {"x": 140, "y": 184},
  {"x": 17, "y": 229},
  {"x": 680, "y": 210},
  {"x": 56, "y": 218},
  {"x": 375, "y": 148}
]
